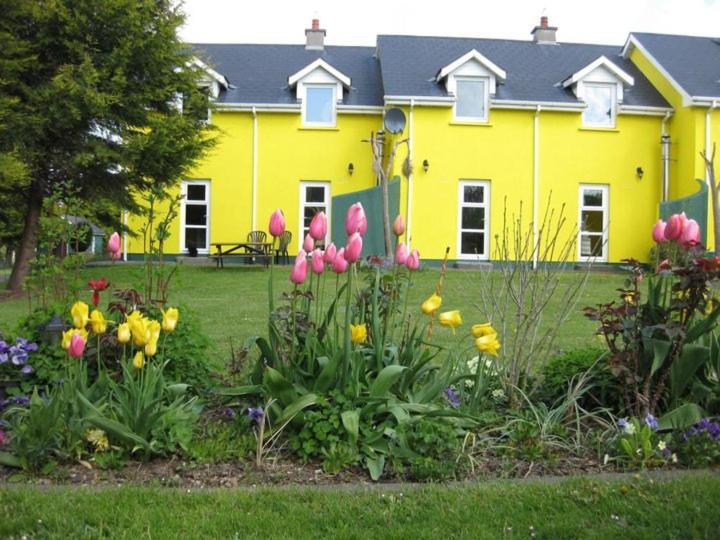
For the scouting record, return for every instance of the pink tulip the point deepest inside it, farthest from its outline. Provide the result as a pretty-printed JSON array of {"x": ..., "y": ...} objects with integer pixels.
[
  {"x": 398, "y": 226},
  {"x": 308, "y": 243},
  {"x": 339, "y": 264},
  {"x": 318, "y": 264},
  {"x": 115, "y": 255},
  {"x": 658, "y": 231},
  {"x": 353, "y": 249},
  {"x": 113, "y": 245},
  {"x": 77, "y": 346},
  {"x": 319, "y": 226},
  {"x": 674, "y": 227},
  {"x": 691, "y": 234},
  {"x": 356, "y": 221},
  {"x": 299, "y": 271},
  {"x": 330, "y": 253},
  {"x": 277, "y": 223},
  {"x": 413, "y": 260},
  {"x": 401, "y": 253}
]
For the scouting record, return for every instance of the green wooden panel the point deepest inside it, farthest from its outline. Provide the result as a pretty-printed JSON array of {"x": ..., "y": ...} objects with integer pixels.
[{"x": 695, "y": 206}]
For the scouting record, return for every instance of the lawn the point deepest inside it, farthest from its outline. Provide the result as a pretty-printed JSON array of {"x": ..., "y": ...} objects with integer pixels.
[
  {"x": 675, "y": 506},
  {"x": 232, "y": 303}
]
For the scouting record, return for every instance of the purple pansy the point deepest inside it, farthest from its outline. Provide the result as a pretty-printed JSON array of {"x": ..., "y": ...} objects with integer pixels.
[
  {"x": 256, "y": 414},
  {"x": 453, "y": 397},
  {"x": 652, "y": 422}
]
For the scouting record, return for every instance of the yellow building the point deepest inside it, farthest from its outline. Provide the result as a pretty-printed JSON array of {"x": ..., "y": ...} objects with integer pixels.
[{"x": 490, "y": 125}]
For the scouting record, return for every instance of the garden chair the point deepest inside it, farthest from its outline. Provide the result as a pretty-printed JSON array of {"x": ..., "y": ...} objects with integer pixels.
[
  {"x": 256, "y": 237},
  {"x": 282, "y": 249}
]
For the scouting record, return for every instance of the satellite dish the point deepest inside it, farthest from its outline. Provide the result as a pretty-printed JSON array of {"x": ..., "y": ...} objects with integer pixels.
[{"x": 394, "y": 120}]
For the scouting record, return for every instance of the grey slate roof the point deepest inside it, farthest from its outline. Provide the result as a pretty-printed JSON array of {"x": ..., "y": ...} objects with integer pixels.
[
  {"x": 259, "y": 73},
  {"x": 694, "y": 62},
  {"x": 534, "y": 71}
]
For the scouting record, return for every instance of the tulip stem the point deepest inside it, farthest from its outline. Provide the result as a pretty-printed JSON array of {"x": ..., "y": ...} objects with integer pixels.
[
  {"x": 292, "y": 333},
  {"x": 347, "y": 325},
  {"x": 98, "y": 356}
]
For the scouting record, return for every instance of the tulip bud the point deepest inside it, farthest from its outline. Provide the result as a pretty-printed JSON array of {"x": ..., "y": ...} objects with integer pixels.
[
  {"x": 299, "y": 271},
  {"x": 353, "y": 248},
  {"x": 401, "y": 253},
  {"x": 123, "y": 333},
  {"x": 77, "y": 346},
  {"x": 691, "y": 234},
  {"x": 308, "y": 243},
  {"x": 318, "y": 226},
  {"x": 139, "y": 360},
  {"x": 339, "y": 264},
  {"x": 330, "y": 252},
  {"x": 356, "y": 221},
  {"x": 413, "y": 260},
  {"x": 318, "y": 264},
  {"x": 277, "y": 223},
  {"x": 674, "y": 227},
  {"x": 658, "y": 231},
  {"x": 398, "y": 225},
  {"x": 113, "y": 245}
]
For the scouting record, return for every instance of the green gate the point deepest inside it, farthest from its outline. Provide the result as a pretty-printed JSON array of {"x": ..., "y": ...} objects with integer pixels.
[
  {"x": 695, "y": 206},
  {"x": 371, "y": 199}
]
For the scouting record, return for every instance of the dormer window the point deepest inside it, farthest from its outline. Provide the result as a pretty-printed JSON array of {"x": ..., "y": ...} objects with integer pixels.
[
  {"x": 319, "y": 106},
  {"x": 471, "y": 98},
  {"x": 601, "y": 102}
]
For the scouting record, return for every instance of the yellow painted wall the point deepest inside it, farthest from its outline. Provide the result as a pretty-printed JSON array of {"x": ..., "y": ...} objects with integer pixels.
[{"x": 287, "y": 155}]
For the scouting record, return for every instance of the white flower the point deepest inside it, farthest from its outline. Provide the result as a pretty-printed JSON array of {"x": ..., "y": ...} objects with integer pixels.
[
  {"x": 630, "y": 428},
  {"x": 661, "y": 445},
  {"x": 606, "y": 458},
  {"x": 673, "y": 458},
  {"x": 498, "y": 395},
  {"x": 472, "y": 364}
]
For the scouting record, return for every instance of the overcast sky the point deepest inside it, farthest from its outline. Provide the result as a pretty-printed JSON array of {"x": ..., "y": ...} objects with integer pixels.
[{"x": 358, "y": 22}]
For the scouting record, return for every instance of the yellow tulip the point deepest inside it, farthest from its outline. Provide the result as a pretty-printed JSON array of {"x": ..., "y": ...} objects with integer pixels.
[
  {"x": 170, "y": 319},
  {"x": 480, "y": 330},
  {"x": 451, "y": 319},
  {"x": 68, "y": 334},
  {"x": 123, "y": 333},
  {"x": 431, "y": 305},
  {"x": 98, "y": 322},
  {"x": 153, "y": 328},
  {"x": 79, "y": 312},
  {"x": 488, "y": 344},
  {"x": 358, "y": 333},
  {"x": 138, "y": 360},
  {"x": 139, "y": 330}
]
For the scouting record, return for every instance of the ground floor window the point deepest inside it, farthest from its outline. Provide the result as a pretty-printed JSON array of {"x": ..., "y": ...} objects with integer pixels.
[
  {"x": 195, "y": 216},
  {"x": 473, "y": 208},
  {"x": 314, "y": 198},
  {"x": 593, "y": 222}
]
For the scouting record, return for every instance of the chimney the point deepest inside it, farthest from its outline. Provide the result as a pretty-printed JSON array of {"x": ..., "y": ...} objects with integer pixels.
[
  {"x": 315, "y": 37},
  {"x": 544, "y": 33}
]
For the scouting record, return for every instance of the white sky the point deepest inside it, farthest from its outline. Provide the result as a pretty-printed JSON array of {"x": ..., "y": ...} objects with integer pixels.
[{"x": 357, "y": 22}]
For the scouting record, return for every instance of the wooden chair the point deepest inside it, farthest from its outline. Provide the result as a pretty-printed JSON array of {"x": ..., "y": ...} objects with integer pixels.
[{"x": 282, "y": 249}]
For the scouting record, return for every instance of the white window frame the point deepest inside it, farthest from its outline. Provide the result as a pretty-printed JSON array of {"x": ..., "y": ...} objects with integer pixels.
[
  {"x": 605, "y": 188},
  {"x": 486, "y": 98},
  {"x": 183, "y": 190},
  {"x": 613, "y": 104},
  {"x": 304, "y": 203},
  {"x": 310, "y": 86},
  {"x": 485, "y": 184}
]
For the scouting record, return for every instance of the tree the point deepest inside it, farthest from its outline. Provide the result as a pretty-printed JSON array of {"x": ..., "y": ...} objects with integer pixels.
[{"x": 88, "y": 102}]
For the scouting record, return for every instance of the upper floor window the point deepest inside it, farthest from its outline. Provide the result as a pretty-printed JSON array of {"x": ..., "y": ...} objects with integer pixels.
[
  {"x": 601, "y": 102},
  {"x": 319, "y": 105},
  {"x": 471, "y": 97}
]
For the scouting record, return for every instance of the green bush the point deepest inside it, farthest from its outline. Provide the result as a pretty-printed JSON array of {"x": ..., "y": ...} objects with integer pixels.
[{"x": 603, "y": 391}]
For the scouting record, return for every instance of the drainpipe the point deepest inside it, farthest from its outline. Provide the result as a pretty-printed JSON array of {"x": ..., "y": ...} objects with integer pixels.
[
  {"x": 408, "y": 235},
  {"x": 254, "y": 169},
  {"x": 665, "y": 145},
  {"x": 708, "y": 121},
  {"x": 125, "y": 236},
  {"x": 536, "y": 183}
]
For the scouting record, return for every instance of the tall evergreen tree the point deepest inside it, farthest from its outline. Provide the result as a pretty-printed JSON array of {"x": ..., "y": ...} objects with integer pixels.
[{"x": 88, "y": 101}]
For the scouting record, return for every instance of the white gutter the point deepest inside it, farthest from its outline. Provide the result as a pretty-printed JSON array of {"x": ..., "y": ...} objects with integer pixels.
[
  {"x": 254, "y": 169},
  {"x": 536, "y": 183},
  {"x": 532, "y": 105},
  {"x": 644, "y": 110},
  {"x": 294, "y": 107},
  {"x": 708, "y": 138},
  {"x": 125, "y": 238},
  {"x": 408, "y": 236}
]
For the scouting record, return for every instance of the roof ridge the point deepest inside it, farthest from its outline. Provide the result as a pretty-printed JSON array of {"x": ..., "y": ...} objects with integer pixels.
[
  {"x": 297, "y": 45},
  {"x": 714, "y": 38},
  {"x": 527, "y": 41}
]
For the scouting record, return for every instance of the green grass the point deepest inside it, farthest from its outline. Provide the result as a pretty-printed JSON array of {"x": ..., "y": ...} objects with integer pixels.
[
  {"x": 232, "y": 303},
  {"x": 574, "y": 508}
]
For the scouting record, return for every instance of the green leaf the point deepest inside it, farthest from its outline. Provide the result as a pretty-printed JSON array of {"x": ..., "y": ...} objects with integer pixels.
[
  {"x": 351, "y": 421},
  {"x": 375, "y": 466},
  {"x": 9, "y": 460},
  {"x": 295, "y": 407},
  {"x": 681, "y": 418},
  {"x": 248, "y": 390},
  {"x": 704, "y": 326},
  {"x": 660, "y": 351},
  {"x": 326, "y": 378},
  {"x": 279, "y": 387},
  {"x": 385, "y": 379},
  {"x": 683, "y": 370}
]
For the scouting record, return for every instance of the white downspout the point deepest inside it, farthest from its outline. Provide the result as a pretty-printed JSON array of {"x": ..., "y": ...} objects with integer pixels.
[
  {"x": 708, "y": 122},
  {"x": 408, "y": 236},
  {"x": 254, "y": 169},
  {"x": 665, "y": 142},
  {"x": 536, "y": 183},
  {"x": 125, "y": 236}
]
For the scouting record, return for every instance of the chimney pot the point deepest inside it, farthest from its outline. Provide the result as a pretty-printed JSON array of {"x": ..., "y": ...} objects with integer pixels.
[
  {"x": 316, "y": 24},
  {"x": 543, "y": 21},
  {"x": 544, "y": 33}
]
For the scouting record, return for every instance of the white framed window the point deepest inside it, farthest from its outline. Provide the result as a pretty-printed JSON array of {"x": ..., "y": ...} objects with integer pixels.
[
  {"x": 319, "y": 106},
  {"x": 314, "y": 198},
  {"x": 593, "y": 222},
  {"x": 471, "y": 99},
  {"x": 195, "y": 216},
  {"x": 473, "y": 219},
  {"x": 601, "y": 99}
]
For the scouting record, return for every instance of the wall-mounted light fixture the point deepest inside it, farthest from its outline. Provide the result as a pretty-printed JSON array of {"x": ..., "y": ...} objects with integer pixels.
[
  {"x": 351, "y": 168},
  {"x": 640, "y": 173},
  {"x": 426, "y": 165}
]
